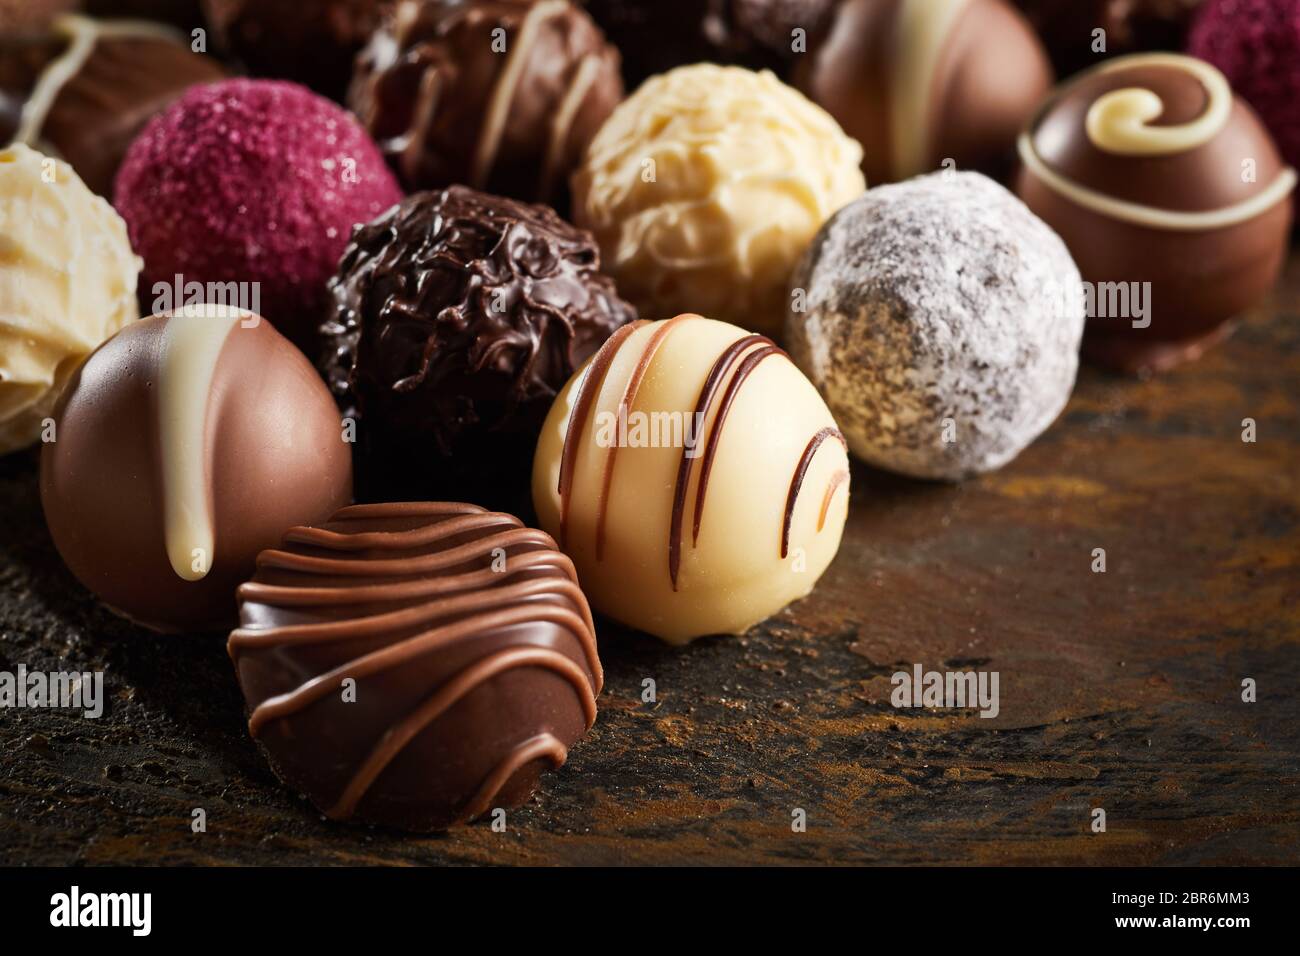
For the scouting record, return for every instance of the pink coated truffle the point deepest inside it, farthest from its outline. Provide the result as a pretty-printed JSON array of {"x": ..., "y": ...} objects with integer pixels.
[
  {"x": 252, "y": 181},
  {"x": 1256, "y": 43}
]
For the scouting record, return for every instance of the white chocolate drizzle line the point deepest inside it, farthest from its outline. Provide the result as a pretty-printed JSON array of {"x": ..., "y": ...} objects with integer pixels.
[
  {"x": 191, "y": 345},
  {"x": 82, "y": 34},
  {"x": 1120, "y": 121},
  {"x": 580, "y": 84},
  {"x": 921, "y": 34}
]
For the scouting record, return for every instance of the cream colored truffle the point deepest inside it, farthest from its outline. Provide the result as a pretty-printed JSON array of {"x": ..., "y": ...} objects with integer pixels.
[
  {"x": 694, "y": 476},
  {"x": 67, "y": 283},
  {"x": 704, "y": 188}
]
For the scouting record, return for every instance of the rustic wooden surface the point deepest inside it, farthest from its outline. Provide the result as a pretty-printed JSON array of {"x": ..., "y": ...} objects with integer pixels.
[{"x": 1118, "y": 690}]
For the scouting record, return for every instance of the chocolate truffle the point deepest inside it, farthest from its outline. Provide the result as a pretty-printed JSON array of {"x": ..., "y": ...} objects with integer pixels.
[
  {"x": 1069, "y": 28},
  {"x": 30, "y": 16},
  {"x": 704, "y": 188},
  {"x": 923, "y": 83},
  {"x": 941, "y": 320},
  {"x": 67, "y": 284},
  {"x": 1171, "y": 196},
  {"x": 256, "y": 183},
  {"x": 501, "y": 95},
  {"x": 416, "y": 665},
  {"x": 457, "y": 317},
  {"x": 91, "y": 88},
  {"x": 312, "y": 43},
  {"x": 185, "y": 445},
  {"x": 695, "y": 477}
]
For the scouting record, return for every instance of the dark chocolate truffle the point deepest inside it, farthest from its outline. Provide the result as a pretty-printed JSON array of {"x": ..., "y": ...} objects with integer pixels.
[
  {"x": 1171, "y": 196},
  {"x": 416, "y": 665},
  {"x": 86, "y": 91},
  {"x": 457, "y": 317},
  {"x": 1069, "y": 28},
  {"x": 184, "y": 446},
  {"x": 313, "y": 42},
  {"x": 921, "y": 83},
  {"x": 501, "y": 95}
]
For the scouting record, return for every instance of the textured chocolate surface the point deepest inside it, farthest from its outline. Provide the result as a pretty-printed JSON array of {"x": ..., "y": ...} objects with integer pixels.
[
  {"x": 271, "y": 457},
  {"x": 500, "y": 95},
  {"x": 470, "y": 647},
  {"x": 457, "y": 317}
]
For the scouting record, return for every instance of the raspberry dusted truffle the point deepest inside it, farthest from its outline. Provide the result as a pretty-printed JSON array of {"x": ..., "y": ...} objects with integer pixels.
[
  {"x": 695, "y": 477},
  {"x": 705, "y": 186},
  {"x": 185, "y": 445},
  {"x": 67, "y": 284},
  {"x": 1169, "y": 193},
  {"x": 416, "y": 665},
  {"x": 457, "y": 317},
  {"x": 941, "y": 321},
  {"x": 309, "y": 42},
  {"x": 923, "y": 82},
  {"x": 1080, "y": 33},
  {"x": 90, "y": 87},
  {"x": 1256, "y": 43},
  {"x": 501, "y": 95},
  {"x": 252, "y": 181}
]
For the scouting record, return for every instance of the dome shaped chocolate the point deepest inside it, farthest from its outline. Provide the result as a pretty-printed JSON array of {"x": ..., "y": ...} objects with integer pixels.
[
  {"x": 1152, "y": 171},
  {"x": 470, "y": 650}
]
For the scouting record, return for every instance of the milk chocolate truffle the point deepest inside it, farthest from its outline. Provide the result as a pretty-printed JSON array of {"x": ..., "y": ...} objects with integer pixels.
[
  {"x": 90, "y": 88},
  {"x": 1080, "y": 33},
  {"x": 457, "y": 317},
  {"x": 184, "y": 446},
  {"x": 1170, "y": 194},
  {"x": 312, "y": 43},
  {"x": 500, "y": 95},
  {"x": 704, "y": 188},
  {"x": 923, "y": 82},
  {"x": 66, "y": 284},
  {"x": 695, "y": 477},
  {"x": 469, "y": 650},
  {"x": 941, "y": 320}
]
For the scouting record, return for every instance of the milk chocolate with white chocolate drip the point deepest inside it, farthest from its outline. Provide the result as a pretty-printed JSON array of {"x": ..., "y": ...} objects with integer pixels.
[{"x": 471, "y": 649}]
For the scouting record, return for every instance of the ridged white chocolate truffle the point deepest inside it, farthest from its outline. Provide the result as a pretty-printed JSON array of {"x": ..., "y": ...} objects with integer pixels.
[
  {"x": 941, "y": 321},
  {"x": 67, "y": 283},
  {"x": 694, "y": 476},
  {"x": 705, "y": 186}
]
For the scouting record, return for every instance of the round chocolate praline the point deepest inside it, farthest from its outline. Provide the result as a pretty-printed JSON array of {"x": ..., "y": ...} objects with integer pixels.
[{"x": 457, "y": 316}]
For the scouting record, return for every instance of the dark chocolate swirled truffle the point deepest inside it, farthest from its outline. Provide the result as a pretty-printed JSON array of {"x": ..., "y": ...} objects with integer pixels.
[
  {"x": 469, "y": 644},
  {"x": 501, "y": 95},
  {"x": 457, "y": 318}
]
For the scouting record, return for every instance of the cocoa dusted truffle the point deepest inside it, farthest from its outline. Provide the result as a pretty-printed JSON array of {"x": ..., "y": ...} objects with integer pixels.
[
  {"x": 185, "y": 445},
  {"x": 84, "y": 91},
  {"x": 1170, "y": 194},
  {"x": 500, "y": 95},
  {"x": 416, "y": 665},
  {"x": 923, "y": 82},
  {"x": 457, "y": 317}
]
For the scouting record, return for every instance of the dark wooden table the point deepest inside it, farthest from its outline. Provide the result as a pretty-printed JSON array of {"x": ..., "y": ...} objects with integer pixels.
[{"x": 1119, "y": 691}]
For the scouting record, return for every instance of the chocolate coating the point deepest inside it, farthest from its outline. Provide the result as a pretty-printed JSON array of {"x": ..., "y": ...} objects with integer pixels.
[
  {"x": 266, "y": 443},
  {"x": 1187, "y": 219},
  {"x": 920, "y": 82},
  {"x": 312, "y": 43},
  {"x": 1067, "y": 27},
  {"x": 457, "y": 317},
  {"x": 500, "y": 95},
  {"x": 471, "y": 647}
]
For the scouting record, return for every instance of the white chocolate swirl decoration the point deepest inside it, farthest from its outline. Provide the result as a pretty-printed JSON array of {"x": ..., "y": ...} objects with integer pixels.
[
  {"x": 923, "y": 29},
  {"x": 1121, "y": 121}
]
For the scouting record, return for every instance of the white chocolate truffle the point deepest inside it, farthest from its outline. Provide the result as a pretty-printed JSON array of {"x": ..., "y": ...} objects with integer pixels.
[
  {"x": 67, "y": 283},
  {"x": 694, "y": 476},
  {"x": 941, "y": 320},
  {"x": 705, "y": 186}
]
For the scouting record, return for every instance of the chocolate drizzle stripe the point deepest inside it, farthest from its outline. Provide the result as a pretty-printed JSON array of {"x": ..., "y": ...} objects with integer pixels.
[
  {"x": 625, "y": 406},
  {"x": 837, "y": 479},
  {"x": 719, "y": 420},
  {"x": 409, "y": 538},
  {"x": 796, "y": 482},
  {"x": 711, "y": 383},
  {"x": 284, "y": 705},
  {"x": 405, "y": 566},
  {"x": 592, "y": 382},
  {"x": 393, "y": 742},
  {"x": 407, "y": 509},
  {"x": 535, "y": 748}
]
